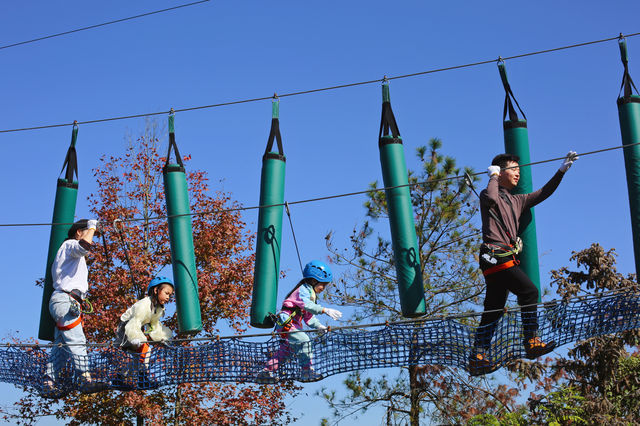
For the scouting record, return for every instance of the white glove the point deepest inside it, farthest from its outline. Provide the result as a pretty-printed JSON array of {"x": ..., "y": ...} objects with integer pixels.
[
  {"x": 322, "y": 329},
  {"x": 136, "y": 342},
  {"x": 333, "y": 313},
  {"x": 493, "y": 170},
  {"x": 568, "y": 161},
  {"x": 92, "y": 224}
]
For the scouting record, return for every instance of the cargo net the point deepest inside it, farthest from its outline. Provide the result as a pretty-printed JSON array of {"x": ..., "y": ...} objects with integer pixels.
[{"x": 54, "y": 371}]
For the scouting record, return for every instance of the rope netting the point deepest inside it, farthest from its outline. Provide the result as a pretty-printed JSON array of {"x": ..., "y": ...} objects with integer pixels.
[{"x": 56, "y": 371}]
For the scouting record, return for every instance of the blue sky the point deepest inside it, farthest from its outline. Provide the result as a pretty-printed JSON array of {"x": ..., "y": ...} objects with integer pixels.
[{"x": 224, "y": 51}]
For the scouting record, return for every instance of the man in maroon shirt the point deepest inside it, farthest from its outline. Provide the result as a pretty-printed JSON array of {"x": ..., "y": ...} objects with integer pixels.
[{"x": 501, "y": 212}]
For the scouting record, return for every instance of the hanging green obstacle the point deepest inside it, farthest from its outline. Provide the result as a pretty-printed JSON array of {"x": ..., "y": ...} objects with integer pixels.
[
  {"x": 406, "y": 253},
  {"x": 180, "y": 233},
  {"x": 267, "y": 268},
  {"x": 629, "y": 114},
  {"x": 63, "y": 211},
  {"x": 516, "y": 142}
]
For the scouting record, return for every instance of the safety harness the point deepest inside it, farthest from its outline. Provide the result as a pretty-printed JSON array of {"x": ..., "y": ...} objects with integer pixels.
[
  {"x": 496, "y": 257},
  {"x": 80, "y": 302},
  {"x": 285, "y": 324}
]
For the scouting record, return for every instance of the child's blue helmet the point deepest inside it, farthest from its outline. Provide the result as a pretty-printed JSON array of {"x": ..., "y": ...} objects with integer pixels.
[
  {"x": 157, "y": 281},
  {"x": 318, "y": 270}
]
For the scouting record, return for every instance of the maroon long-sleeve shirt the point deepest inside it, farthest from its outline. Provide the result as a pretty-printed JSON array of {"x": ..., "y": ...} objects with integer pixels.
[{"x": 493, "y": 198}]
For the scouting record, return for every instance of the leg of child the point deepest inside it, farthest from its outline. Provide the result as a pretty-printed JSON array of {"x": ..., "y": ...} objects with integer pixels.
[
  {"x": 301, "y": 343},
  {"x": 59, "y": 307}
]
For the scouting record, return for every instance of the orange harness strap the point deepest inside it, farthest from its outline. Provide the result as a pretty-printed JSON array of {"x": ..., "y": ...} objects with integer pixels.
[
  {"x": 499, "y": 268},
  {"x": 70, "y": 326},
  {"x": 143, "y": 351}
]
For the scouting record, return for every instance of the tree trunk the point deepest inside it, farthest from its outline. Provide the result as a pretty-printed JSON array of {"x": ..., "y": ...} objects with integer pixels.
[
  {"x": 139, "y": 420},
  {"x": 414, "y": 397},
  {"x": 176, "y": 411}
]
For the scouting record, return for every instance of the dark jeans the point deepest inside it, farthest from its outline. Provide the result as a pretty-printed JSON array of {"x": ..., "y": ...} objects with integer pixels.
[{"x": 499, "y": 285}]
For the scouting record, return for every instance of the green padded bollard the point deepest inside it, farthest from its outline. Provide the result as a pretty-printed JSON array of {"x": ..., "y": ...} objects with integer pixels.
[
  {"x": 268, "y": 244},
  {"x": 182, "y": 255},
  {"x": 63, "y": 212},
  {"x": 516, "y": 142},
  {"x": 403, "y": 232},
  {"x": 629, "y": 115}
]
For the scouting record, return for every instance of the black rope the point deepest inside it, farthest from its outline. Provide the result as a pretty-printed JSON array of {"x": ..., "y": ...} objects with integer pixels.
[
  {"x": 328, "y": 197},
  {"x": 125, "y": 246},
  {"x": 295, "y": 241},
  {"x": 100, "y": 25},
  {"x": 323, "y": 89}
]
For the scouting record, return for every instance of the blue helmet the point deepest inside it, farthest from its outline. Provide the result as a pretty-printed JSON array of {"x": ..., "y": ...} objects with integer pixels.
[
  {"x": 157, "y": 281},
  {"x": 318, "y": 270}
]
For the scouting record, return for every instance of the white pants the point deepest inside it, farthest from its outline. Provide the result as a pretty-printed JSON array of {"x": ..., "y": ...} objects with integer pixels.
[{"x": 59, "y": 306}]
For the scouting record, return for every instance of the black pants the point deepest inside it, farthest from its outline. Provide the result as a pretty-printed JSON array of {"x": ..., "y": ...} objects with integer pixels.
[{"x": 499, "y": 285}]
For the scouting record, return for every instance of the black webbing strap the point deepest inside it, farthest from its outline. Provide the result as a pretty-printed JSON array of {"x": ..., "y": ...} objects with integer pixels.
[
  {"x": 125, "y": 247},
  {"x": 627, "y": 82},
  {"x": 388, "y": 125},
  {"x": 508, "y": 96},
  {"x": 176, "y": 152},
  {"x": 71, "y": 160},
  {"x": 274, "y": 135}
]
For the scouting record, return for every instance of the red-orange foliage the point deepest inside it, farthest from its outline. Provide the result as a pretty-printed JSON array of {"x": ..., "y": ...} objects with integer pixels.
[{"x": 129, "y": 187}]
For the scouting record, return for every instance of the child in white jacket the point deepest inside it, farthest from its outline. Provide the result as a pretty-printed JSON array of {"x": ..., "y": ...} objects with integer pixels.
[{"x": 141, "y": 322}]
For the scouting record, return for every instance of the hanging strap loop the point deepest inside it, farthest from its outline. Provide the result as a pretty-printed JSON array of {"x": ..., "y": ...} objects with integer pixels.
[
  {"x": 508, "y": 96},
  {"x": 274, "y": 133},
  {"x": 71, "y": 160},
  {"x": 389, "y": 132},
  {"x": 172, "y": 144},
  {"x": 627, "y": 82}
]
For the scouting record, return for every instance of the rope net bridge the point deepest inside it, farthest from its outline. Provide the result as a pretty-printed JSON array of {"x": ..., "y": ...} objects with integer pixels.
[{"x": 442, "y": 341}]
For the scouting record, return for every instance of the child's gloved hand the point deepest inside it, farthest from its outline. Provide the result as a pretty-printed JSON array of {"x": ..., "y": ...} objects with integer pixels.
[
  {"x": 333, "y": 313},
  {"x": 136, "y": 342},
  {"x": 322, "y": 330}
]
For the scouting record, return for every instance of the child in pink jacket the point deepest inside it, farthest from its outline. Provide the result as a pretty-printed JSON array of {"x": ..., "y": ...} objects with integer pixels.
[{"x": 300, "y": 306}]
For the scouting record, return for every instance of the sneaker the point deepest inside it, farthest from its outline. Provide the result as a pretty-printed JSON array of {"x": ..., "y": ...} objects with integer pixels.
[
  {"x": 480, "y": 364},
  {"x": 88, "y": 385},
  {"x": 310, "y": 375},
  {"x": 50, "y": 389},
  {"x": 535, "y": 347},
  {"x": 266, "y": 377}
]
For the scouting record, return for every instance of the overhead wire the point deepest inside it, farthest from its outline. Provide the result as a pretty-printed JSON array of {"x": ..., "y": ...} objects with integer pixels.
[
  {"x": 328, "y": 197},
  {"x": 90, "y": 27},
  {"x": 328, "y": 88}
]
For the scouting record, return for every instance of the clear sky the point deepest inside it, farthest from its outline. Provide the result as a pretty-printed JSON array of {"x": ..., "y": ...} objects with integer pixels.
[{"x": 223, "y": 51}]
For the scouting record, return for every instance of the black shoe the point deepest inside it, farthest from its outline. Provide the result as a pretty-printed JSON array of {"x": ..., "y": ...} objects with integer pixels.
[
  {"x": 480, "y": 364},
  {"x": 266, "y": 377},
  {"x": 535, "y": 347},
  {"x": 309, "y": 375},
  {"x": 51, "y": 390}
]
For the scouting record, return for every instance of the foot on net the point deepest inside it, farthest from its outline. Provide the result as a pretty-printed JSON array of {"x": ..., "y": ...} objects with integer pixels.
[
  {"x": 535, "y": 347},
  {"x": 479, "y": 364},
  {"x": 310, "y": 375},
  {"x": 51, "y": 390},
  {"x": 87, "y": 384},
  {"x": 266, "y": 377}
]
